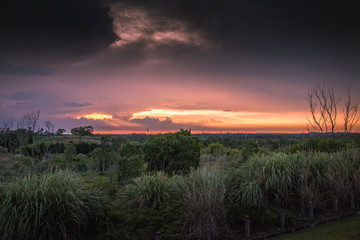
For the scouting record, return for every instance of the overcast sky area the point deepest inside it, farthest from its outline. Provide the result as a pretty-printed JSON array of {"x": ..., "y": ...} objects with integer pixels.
[{"x": 133, "y": 66}]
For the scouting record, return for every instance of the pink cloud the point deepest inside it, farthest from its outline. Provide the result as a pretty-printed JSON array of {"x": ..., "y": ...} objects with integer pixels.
[{"x": 135, "y": 24}]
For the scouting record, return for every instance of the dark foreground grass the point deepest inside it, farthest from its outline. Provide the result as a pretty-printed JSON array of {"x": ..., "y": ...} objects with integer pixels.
[
  {"x": 345, "y": 229},
  {"x": 56, "y": 206}
]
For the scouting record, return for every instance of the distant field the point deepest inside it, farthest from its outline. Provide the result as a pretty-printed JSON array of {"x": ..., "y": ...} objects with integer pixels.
[
  {"x": 346, "y": 229},
  {"x": 76, "y": 139}
]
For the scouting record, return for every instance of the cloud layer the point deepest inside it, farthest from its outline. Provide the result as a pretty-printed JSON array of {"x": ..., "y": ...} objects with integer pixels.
[
  {"x": 207, "y": 65},
  {"x": 136, "y": 25}
]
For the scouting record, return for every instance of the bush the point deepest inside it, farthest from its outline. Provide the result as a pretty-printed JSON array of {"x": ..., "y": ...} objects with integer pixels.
[
  {"x": 49, "y": 206},
  {"x": 131, "y": 163},
  {"x": 3, "y": 149},
  {"x": 143, "y": 223},
  {"x": 151, "y": 190},
  {"x": 173, "y": 153}
]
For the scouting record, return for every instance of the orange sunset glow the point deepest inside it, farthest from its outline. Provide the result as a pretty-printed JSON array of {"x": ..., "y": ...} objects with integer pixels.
[{"x": 96, "y": 116}]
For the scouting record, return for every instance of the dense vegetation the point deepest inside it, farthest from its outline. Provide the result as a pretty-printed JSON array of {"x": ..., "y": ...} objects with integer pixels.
[{"x": 132, "y": 186}]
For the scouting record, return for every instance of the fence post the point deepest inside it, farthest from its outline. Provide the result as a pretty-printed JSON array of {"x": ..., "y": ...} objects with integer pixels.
[
  {"x": 208, "y": 232},
  {"x": 311, "y": 211},
  {"x": 352, "y": 200},
  {"x": 336, "y": 204},
  {"x": 247, "y": 226},
  {"x": 282, "y": 218},
  {"x": 158, "y": 236}
]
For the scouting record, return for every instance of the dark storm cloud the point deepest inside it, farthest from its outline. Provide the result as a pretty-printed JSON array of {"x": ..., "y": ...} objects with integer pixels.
[
  {"x": 77, "y": 105},
  {"x": 25, "y": 70},
  {"x": 49, "y": 102},
  {"x": 262, "y": 33},
  {"x": 274, "y": 39},
  {"x": 23, "y": 95},
  {"x": 56, "y": 30},
  {"x": 258, "y": 21},
  {"x": 35, "y": 99}
]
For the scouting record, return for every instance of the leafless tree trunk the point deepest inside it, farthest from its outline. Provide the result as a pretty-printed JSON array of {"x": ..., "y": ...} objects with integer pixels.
[
  {"x": 21, "y": 133},
  {"x": 7, "y": 127},
  {"x": 323, "y": 107},
  {"x": 49, "y": 126},
  {"x": 31, "y": 119},
  {"x": 49, "y": 129},
  {"x": 350, "y": 111}
]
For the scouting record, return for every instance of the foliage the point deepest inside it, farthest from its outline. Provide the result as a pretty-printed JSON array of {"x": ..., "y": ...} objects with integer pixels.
[
  {"x": 216, "y": 149},
  {"x": 250, "y": 148},
  {"x": 70, "y": 152},
  {"x": 151, "y": 190},
  {"x": 85, "y": 147},
  {"x": 294, "y": 179},
  {"x": 316, "y": 144},
  {"x": 3, "y": 149},
  {"x": 50, "y": 206},
  {"x": 174, "y": 152},
  {"x": 223, "y": 156},
  {"x": 131, "y": 163},
  {"x": 139, "y": 224},
  {"x": 204, "y": 203},
  {"x": 60, "y": 131},
  {"x": 82, "y": 130}
]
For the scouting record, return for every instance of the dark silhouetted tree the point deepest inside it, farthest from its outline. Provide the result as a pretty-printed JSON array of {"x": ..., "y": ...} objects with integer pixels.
[
  {"x": 350, "y": 111},
  {"x": 30, "y": 120},
  {"x": 323, "y": 107},
  {"x": 82, "y": 130},
  {"x": 60, "y": 131}
]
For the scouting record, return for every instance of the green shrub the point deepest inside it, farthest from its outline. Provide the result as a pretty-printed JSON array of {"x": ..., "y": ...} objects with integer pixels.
[
  {"x": 173, "y": 153},
  {"x": 3, "y": 149},
  {"x": 131, "y": 162},
  {"x": 250, "y": 148},
  {"x": 139, "y": 224},
  {"x": 150, "y": 190},
  {"x": 50, "y": 206}
]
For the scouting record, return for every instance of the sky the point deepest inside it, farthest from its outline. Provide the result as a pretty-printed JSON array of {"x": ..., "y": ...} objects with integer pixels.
[{"x": 158, "y": 65}]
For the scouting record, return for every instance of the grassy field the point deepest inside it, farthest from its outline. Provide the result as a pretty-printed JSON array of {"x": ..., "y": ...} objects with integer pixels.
[{"x": 345, "y": 229}]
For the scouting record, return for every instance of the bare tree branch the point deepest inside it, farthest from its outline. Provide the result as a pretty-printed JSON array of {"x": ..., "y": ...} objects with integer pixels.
[
  {"x": 351, "y": 114},
  {"x": 323, "y": 107},
  {"x": 31, "y": 119}
]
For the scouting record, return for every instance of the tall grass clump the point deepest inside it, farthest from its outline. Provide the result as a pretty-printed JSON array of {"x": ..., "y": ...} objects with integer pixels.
[
  {"x": 151, "y": 190},
  {"x": 292, "y": 180},
  {"x": 244, "y": 188},
  {"x": 204, "y": 203},
  {"x": 344, "y": 173},
  {"x": 49, "y": 206}
]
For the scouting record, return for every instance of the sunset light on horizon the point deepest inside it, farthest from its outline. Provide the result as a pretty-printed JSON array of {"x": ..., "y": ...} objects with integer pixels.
[{"x": 96, "y": 116}]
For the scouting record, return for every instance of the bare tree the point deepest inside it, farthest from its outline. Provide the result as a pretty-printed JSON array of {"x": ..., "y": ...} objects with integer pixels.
[
  {"x": 49, "y": 130},
  {"x": 31, "y": 119},
  {"x": 323, "y": 107},
  {"x": 21, "y": 133},
  {"x": 6, "y": 130},
  {"x": 351, "y": 114},
  {"x": 49, "y": 126}
]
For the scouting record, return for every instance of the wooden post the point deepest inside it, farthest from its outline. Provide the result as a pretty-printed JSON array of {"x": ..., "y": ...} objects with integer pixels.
[
  {"x": 247, "y": 226},
  {"x": 158, "y": 236},
  {"x": 282, "y": 218},
  {"x": 352, "y": 200},
  {"x": 336, "y": 204},
  {"x": 311, "y": 211},
  {"x": 208, "y": 232}
]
